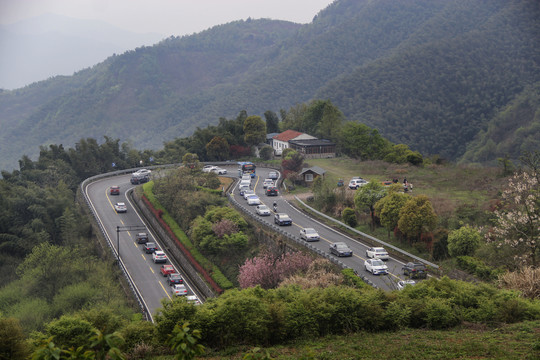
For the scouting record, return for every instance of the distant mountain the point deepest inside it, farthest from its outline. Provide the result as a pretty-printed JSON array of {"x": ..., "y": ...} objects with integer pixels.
[
  {"x": 432, "y": 74},
  {"x": 48, "y": 45}
]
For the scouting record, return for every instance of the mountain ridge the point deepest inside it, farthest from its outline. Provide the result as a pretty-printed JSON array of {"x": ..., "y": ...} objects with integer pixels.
[{"x": 430, "y": 74}]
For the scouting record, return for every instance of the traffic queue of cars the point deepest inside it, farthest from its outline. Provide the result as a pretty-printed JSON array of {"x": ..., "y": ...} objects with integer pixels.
[
  {"x": 174, "y": 279},
  {"x": 375, "y": 256}
]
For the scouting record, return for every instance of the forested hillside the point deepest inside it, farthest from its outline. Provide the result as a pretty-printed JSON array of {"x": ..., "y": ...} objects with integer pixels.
[{"x": 429, "y": 74}]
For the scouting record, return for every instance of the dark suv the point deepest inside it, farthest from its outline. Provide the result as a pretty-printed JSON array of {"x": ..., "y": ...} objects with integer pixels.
[
  {"x": 142, "y": 238},
  {"x": 139, "y": 179},
  {"x": 415, "y": 270},
  {"x": 271, "y": 191},
  {"x": 150, "y": 247}
]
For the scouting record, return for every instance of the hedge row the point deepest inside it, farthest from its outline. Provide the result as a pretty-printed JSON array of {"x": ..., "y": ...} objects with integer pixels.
[{"x": 260, "y": 317}]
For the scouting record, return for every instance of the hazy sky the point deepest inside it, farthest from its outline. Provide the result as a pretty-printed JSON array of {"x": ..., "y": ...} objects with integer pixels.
[{"x": 167, "y": 17}]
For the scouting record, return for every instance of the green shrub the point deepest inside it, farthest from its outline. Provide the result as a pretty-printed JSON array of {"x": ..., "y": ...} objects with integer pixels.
[
  {"x": 70, "y": 331},
  {"x": 177, "y": 311},
  {"x": 478, "y": 268},
  {"x": 349, "y": 217},
  {"x": 397, "y": 316},
  {"x": 138, "y": 333},
  {"x": 353, "y": 280},
  {"x": 463, "y": 241},
  {"x": 266, "y": 152},
  {"x": 439, "y": 314}
]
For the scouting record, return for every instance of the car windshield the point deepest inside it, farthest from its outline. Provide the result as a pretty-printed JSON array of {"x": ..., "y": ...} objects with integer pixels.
[
  {"x": 341, "y": 246},
  {"x": 149, "y": 245},
  {"x": 263, "y": 207},
  {"x": 377, "y": 263},
  {"x": 380, "y": 250},
  {"x": 175, "y": 276},
  {"x": 310, "y": 231}
]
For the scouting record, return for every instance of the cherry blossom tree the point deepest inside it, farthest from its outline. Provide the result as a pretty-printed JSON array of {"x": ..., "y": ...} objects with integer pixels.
[
  {"x": 268, "y": 270},
  {"x": 517, "y": 221}
]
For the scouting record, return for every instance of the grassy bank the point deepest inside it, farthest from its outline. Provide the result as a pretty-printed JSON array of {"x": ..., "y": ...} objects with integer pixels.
[{"x": 516, "y": 341}]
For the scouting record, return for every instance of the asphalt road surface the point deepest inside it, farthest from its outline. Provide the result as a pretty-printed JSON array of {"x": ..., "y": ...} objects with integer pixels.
[{"x": 149, "y": 281}]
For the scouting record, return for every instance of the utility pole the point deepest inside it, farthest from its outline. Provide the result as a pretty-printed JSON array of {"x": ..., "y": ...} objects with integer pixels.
[{"x": 125, "y": 228}]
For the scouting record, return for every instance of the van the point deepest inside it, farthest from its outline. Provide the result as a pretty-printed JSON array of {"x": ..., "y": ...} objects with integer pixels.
[{"x": 245, "y": 183}]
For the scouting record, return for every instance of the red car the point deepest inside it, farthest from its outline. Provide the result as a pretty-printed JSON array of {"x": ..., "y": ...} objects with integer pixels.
[
  {"x": 114, "y": 190},
  {"x": 167, "y": 269}
]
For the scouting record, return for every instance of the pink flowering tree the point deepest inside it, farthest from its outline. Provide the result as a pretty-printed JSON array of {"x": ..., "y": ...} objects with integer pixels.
[
  {"x": 517, "y": 222},
  {"x": 269, "y": 270}
]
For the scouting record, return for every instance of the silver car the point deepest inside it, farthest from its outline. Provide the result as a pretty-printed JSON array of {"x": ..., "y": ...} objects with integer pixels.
[{"x": 309, "y": 234}]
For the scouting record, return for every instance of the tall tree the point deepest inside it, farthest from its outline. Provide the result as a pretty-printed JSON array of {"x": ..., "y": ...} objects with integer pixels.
[
  {"x": 272, "y": 122},
  {"x": 361, "y": 142},
  {"x": 517, "y": 222},
  {"x": 388, "y": 209},
  {"x": 254, "y": 130},
  {"x": 217, "y": 148},
  {"x": 367, "y": 196},
  {"x": 417, "y": 217}
]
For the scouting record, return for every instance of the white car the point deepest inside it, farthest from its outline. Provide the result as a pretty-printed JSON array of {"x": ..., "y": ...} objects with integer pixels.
[
  {"x": 267, "y": 183},
  {"x": 355, "y": 183},
  {"x": 242, "y": 189},
  {"x": 377, "y": 252},
  {"x": 246, "y": 177},
  {"x": 159, "y": 256},
  {"x": 120, "y": 207},
  {"x": 179, "y": 290},
  {"x": 262, "y": 210},
  {"x": 248, "y": 193},
  {"x": 219, "y": 171},
  {"x": 192, "y": 299},
  {"x": 208, "y": 168},
  {"x": 375, "y": 266},
  {"x": 401, "y": 284},
  {"x": 142, "y": 172},
  {"x": 309, "y": 234},
  {"x": 253, "y": 200}
]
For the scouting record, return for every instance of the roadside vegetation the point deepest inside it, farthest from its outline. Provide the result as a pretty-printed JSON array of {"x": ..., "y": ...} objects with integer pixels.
[{"x": 487, "y": 232}]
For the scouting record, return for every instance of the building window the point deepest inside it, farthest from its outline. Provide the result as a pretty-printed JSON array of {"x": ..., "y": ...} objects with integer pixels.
[{"x": 309, "y": 177}]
